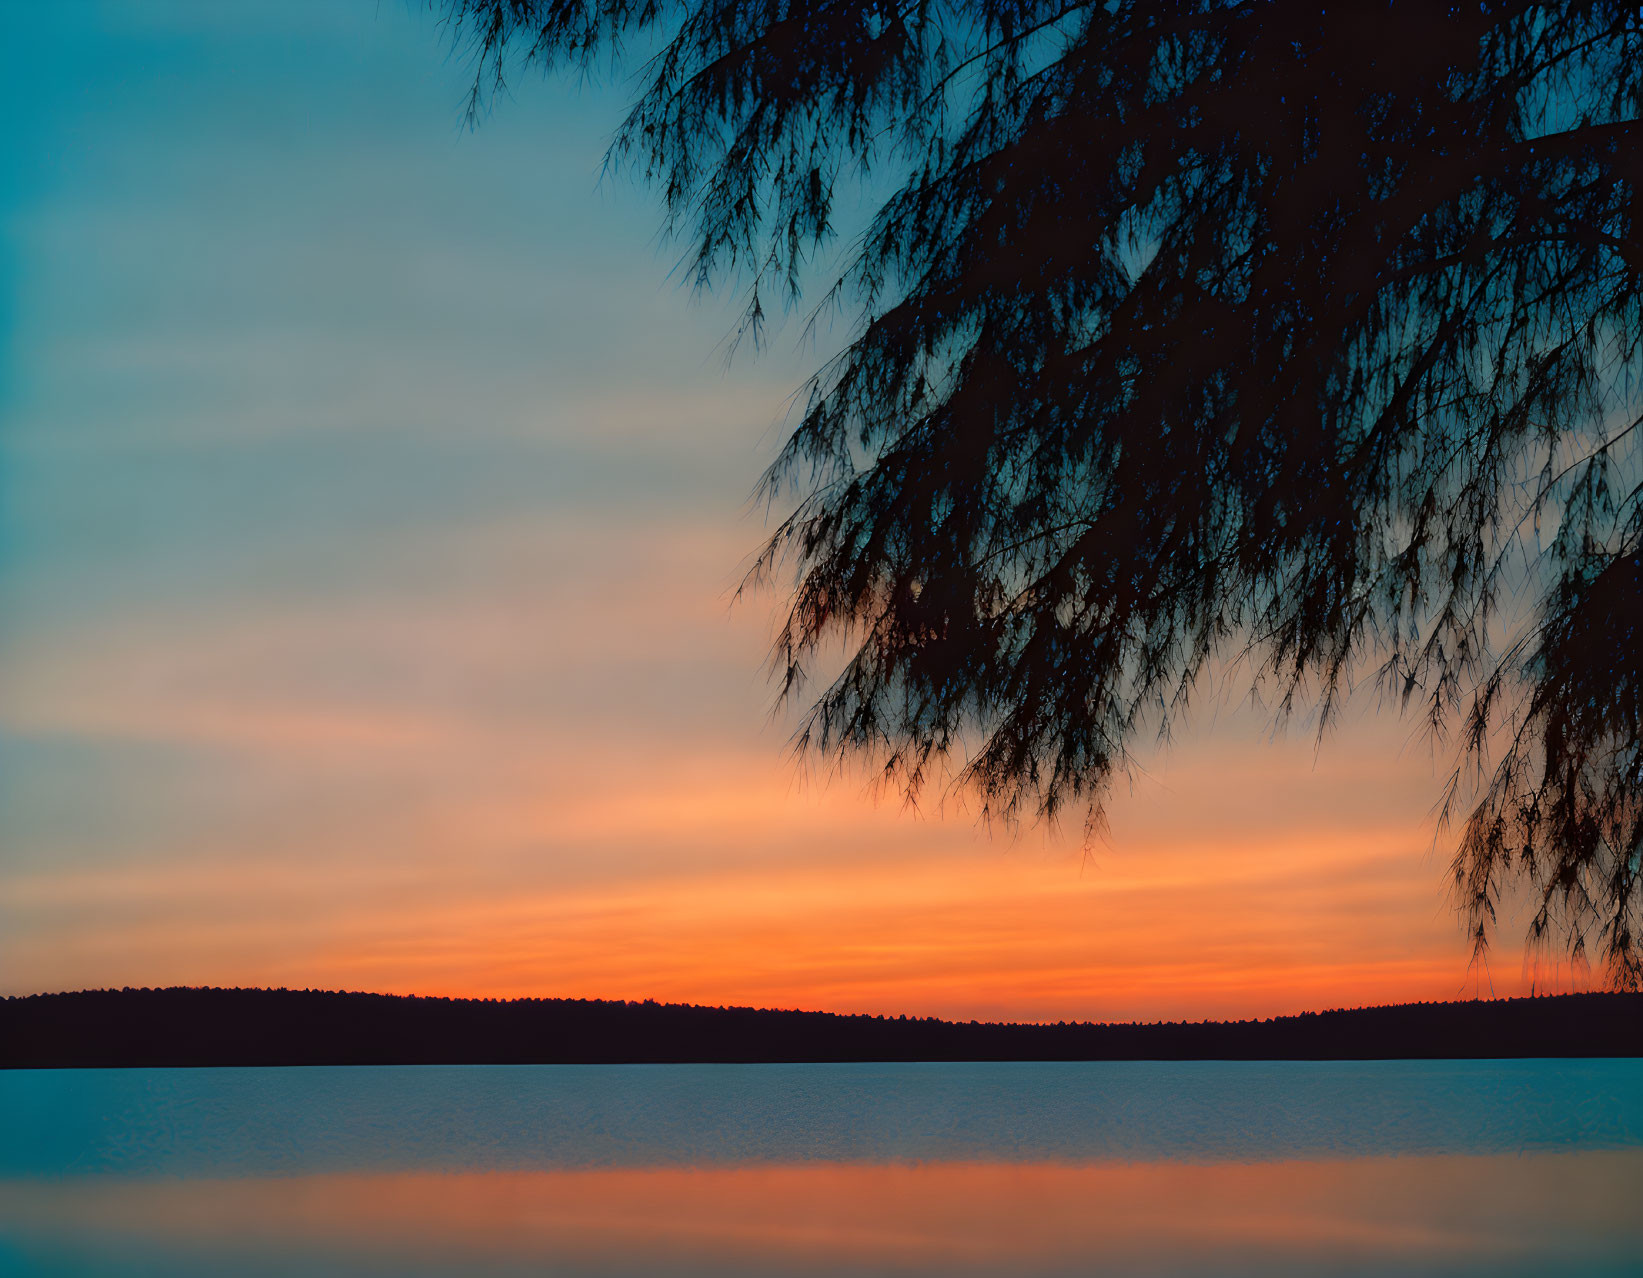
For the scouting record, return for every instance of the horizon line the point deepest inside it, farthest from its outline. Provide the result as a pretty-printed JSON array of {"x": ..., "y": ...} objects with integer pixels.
[{"x": 908, "y": 1017}]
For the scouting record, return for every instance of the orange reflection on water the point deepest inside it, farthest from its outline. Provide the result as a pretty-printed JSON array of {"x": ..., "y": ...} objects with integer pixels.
[{"x": 933, "y": 1217}]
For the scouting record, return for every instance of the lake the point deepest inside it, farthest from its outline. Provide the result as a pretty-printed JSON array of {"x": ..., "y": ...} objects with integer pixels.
[{"x": 1113, "y": 1168}]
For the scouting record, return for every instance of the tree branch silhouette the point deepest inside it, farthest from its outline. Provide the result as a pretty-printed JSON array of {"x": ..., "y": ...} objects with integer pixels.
[{"x": 1190, "y": 328}]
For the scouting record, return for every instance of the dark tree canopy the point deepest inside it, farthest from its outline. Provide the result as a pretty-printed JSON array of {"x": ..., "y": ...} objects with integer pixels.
[{"x": 1191, "y": 332}]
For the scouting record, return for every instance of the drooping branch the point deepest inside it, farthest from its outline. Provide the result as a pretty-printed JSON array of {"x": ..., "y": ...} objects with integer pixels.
[{"x": 1191, "y": 328}]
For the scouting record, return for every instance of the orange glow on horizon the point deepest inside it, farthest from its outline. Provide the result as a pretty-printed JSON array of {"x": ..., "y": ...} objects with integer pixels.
[
  {"x": 871, "y": 912},
  {"x": 440, "y": 841}
]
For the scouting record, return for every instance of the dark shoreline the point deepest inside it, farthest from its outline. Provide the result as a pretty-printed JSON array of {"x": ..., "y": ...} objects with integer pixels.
[{"x": 206, "y": 1026}]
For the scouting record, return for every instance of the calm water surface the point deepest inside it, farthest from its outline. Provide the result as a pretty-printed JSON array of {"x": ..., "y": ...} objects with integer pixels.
[{"x": 1207, "y": 1168}]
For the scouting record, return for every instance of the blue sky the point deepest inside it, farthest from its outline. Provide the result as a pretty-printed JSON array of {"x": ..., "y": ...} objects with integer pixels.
[{"x": 370, "y": 504}]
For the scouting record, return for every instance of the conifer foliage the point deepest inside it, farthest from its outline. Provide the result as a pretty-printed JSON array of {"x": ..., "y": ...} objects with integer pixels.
[{"x": 1189, "y": 332}]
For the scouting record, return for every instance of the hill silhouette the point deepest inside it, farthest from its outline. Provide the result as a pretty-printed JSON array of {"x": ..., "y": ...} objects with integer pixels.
[{"x": 209, "y": 1026}]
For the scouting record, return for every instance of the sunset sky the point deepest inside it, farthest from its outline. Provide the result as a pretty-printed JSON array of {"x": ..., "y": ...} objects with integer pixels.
[{"x": 371, "y": 503}]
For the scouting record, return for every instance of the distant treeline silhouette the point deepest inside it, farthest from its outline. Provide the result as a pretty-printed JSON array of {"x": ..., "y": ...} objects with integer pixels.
[{"x": 208, "y": 1026}]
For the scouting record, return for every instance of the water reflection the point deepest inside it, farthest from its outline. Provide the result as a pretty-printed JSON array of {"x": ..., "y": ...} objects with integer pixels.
[
  {"x": 1497, "y": 1214},
  {"x": 1343, "y": 1168}
]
